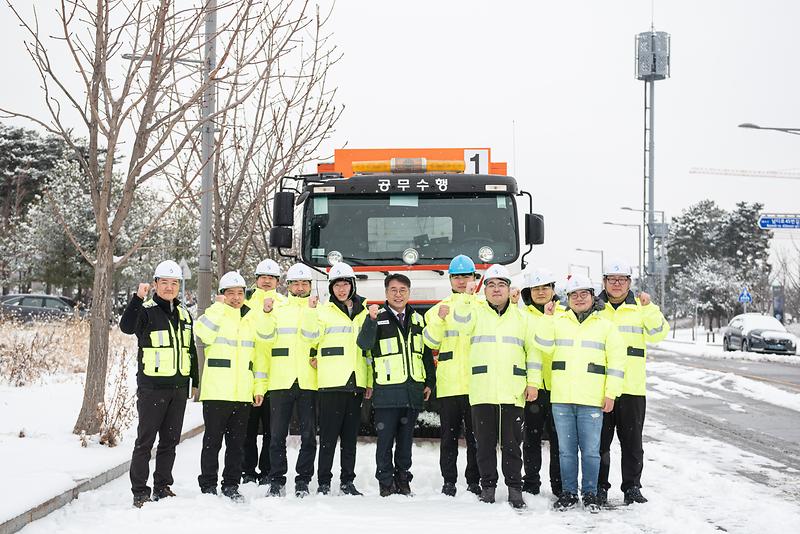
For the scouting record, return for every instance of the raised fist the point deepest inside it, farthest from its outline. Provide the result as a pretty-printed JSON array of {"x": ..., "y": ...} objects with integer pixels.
[
  {"x": 644, "y": 298},
  {"x": 143, "y": 290},
  {"x": 373, "y": 311},
  {"x": 313, "y": 301},
  {"x": 514, "y": 295},
  {"x": 220, "y": 298},
  {"x": 444, "y": 309},
  {"x": 549, "y": 308},
  {"x": 471, "y": 287},
  {"x": 268, "y": 304}
]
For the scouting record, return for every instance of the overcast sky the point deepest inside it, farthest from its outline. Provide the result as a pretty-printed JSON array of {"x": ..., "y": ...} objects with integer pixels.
[{"x": 460, "y": 73}]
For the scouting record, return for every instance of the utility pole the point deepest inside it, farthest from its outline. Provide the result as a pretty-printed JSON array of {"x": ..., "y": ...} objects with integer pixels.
[{"x": 207, "y": 148}]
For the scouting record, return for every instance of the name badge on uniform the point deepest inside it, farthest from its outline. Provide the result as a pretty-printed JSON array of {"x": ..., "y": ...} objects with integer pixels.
[{"x": 384, "y": 322}]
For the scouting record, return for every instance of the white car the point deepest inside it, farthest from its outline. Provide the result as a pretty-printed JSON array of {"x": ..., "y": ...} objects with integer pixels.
[{"x": 758, "y": 333}]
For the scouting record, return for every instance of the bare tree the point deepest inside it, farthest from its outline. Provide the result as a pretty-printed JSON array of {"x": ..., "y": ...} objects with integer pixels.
[
  {"x": 291, "y": 112},
  {"x": 143, "y": 110}
]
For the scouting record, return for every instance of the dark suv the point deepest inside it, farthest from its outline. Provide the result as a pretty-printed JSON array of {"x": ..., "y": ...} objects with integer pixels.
[{"x": 29, "y": 307}]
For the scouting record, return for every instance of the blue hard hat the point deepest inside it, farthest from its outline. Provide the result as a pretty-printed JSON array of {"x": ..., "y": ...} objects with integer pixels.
[{"x": 461, "y": 264}]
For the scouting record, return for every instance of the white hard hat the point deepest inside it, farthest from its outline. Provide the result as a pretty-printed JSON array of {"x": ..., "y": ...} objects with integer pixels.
[
  {"x": 340, "y": 270},
  {"x": 168, "y": 269},
  {"x": 617, "y": 267},
  {"x": 299, "y": 271},
  {"x": 539, "y": 277},
  {"x": 578, "y": 282},
  {"x": 231, "y": 279},
  {"x": 497, "y": 271},
  {"x": 269, "y": 267}
]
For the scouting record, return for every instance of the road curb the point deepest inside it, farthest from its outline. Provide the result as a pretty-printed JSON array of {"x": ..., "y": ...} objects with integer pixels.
[{"x": 41, "y": 510}]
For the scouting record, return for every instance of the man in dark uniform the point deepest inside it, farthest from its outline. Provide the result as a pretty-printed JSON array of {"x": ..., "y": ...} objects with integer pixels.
[
  {"x": 403, "y": 376},
  {"x": 167, "y": 362}
]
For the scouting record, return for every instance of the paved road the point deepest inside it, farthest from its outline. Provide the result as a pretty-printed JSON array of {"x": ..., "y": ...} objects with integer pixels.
[{"x": 763, "y": 428}]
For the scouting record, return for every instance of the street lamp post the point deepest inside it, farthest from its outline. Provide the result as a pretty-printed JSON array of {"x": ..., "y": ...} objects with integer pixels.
[
  {"x": 602, "y": 256},
  {"x": 793, "y": 131},
  {"x": 639, "y": 230}
]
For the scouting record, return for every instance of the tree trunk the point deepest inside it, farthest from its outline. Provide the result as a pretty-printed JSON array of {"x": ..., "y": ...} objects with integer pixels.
[{"x": 94, "y": 392}]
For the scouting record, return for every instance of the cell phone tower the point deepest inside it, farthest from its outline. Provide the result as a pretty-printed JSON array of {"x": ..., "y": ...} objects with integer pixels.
[{"x": 652, "y": 64}]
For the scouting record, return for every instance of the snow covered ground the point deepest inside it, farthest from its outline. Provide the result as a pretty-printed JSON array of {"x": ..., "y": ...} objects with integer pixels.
[{"x": 695, "y": 483}]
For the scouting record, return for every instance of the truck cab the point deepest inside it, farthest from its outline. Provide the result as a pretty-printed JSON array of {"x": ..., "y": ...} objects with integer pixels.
[{"x": 403, "y": 211}]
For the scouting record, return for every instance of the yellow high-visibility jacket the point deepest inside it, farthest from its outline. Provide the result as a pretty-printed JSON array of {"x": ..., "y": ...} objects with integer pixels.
[
  {"x": 588, "y": 358},
  {"x": 535, "y": 314},
  {"x": 232, "y": 371},
  {"x": 638, "y": 325},
  {"x": 338, "y": 355},
  {"x": 256, "y": 300},
  {"x": 452, "y": 367},
  {"x": 289, "y": 355},
  {"x": 502, "y": 358}
]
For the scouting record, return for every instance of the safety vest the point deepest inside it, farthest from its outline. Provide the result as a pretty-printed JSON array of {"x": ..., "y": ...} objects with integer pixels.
[
  {"x": 399, "y": 355},
  {"x": 588, "y": 358},
  {"x": 289, "y": 356},
  {"x": 534, "y": 315},
  {"x": 167, "y": 353},
  {"x": 338, "y": 355},
  {"x": 638, "y": 325},
  {"x": 232, "y": 370},
  {"x": 452, "y": 364}
]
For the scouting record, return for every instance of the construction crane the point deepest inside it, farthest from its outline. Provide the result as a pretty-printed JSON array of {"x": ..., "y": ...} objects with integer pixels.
[{"x": 789, "y": 174}]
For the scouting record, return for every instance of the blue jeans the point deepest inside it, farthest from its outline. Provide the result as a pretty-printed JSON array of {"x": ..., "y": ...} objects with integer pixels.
[{"x": 578, "y": 426}]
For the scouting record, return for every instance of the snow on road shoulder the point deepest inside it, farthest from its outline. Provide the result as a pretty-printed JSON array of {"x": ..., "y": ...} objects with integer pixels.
[
  {"x": 49, "y": 459},
  {"x": 695, "y": 485},
  {"x": 717, "y": 380},
  {"x": 714, "y": 351}
]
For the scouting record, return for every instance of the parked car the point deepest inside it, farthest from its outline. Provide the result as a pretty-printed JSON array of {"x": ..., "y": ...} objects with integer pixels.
[
  {"x": 758, "y": 333},
  {"x": 28, "y": 307}
]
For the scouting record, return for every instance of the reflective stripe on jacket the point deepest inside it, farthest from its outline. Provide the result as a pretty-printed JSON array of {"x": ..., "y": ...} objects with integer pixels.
[
  {"x": 338, "y": 355},
  {"x": 638, "y": 325},
  {"x": 289, "y": 355},
  {"x": 232, "y": 370},
  {"x": 535, "y": 314},
  {"x": 588, "y": 358},
  {"x": 452, "y": 367}
]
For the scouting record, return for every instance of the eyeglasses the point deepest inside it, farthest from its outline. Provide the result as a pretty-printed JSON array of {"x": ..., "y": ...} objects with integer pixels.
[
  {"x": 496, "y": 284},
  {"x": 580, "y": 295},
  {"x": 617, "y": 280},
  {"x": 398, "y": 291}
]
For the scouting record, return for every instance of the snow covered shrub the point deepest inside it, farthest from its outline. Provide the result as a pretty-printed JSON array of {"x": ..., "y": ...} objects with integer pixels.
[{"x": 117, "y": 412}]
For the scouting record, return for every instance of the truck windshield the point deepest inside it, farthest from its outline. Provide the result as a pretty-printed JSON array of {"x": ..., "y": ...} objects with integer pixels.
[{"x": 376, "y": 229}]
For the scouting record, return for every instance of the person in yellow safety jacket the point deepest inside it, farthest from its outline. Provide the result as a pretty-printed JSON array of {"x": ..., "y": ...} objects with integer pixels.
[
  {"x": 452, "y": 379},
  {"x": 293, "y": 380},
  {"x": 640, "y": 322},
  {"x": 268, "y": 274},
  {"x": 588, "y": 361},
  {"x": 344, "y": 376},
  {"x": 539, "y": 290},
  {"x": 403, "y": 376},
  {"x": 234, "y": 377},
  {"x": 505, "y": 373}
]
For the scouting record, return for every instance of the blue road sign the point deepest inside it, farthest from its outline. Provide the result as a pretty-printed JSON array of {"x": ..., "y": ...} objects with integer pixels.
[
  {"x": 744, "y": 296},
  {"x": 768, "y": 221}
]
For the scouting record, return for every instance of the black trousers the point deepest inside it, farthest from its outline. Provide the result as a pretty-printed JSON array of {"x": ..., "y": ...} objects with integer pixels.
[
  {"x": 339, "y": 420},
  {"x": 538, "y": 416},
  {"x": 455, "y": 414},
  {"x": 628, "y": 419},
  {"x": 504, "y": 421},
  {"x": 226, "y": 419},
  {"x": 259, "y": 415},
  {"x": 395, "y": 429},
  {"x": 282, "y": 404},
  {"x": 160, "y": 412}
]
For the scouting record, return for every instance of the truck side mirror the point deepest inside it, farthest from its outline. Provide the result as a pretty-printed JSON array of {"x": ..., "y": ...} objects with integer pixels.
[
  {"x": 280, "y": 237},
  {"x": 283, "y": 209},
  {"x": 534, "y": 229}
]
